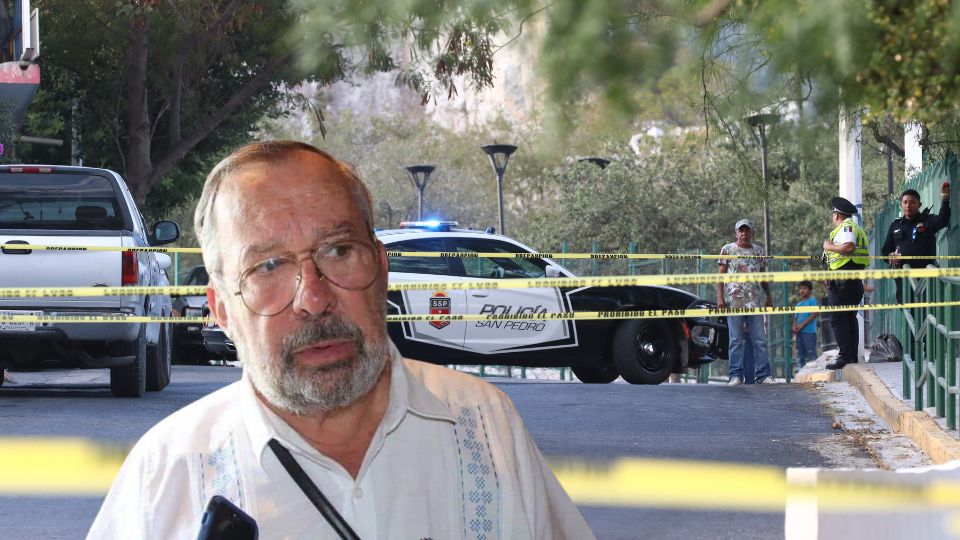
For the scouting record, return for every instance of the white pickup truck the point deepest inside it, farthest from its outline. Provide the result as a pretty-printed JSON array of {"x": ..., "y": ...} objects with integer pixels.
[{"x": 80, "y": 206}]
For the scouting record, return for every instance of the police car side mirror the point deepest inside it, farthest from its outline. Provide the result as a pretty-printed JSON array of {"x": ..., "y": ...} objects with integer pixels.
[{"x": 553, "y": 271}]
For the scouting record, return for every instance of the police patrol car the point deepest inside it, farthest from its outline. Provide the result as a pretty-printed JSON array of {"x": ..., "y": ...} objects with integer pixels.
[{"x": 642, "y": 351}]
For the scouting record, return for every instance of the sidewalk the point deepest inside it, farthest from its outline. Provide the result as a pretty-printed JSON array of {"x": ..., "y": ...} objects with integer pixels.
[{"x": 882, "y": 386}]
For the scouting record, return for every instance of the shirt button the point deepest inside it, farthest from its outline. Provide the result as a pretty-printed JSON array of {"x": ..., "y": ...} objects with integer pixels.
[{"x": 357, "y": 493}]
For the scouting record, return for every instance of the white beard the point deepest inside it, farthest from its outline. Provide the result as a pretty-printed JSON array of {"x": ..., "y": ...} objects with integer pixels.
[{"x": 307, "y": 391}]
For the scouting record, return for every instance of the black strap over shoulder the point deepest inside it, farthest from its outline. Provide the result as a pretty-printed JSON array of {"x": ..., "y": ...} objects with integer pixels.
[{"x": 312, "y": 492}]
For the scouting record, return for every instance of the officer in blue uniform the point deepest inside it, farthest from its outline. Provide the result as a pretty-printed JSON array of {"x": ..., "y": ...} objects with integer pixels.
[
  {"x": 915, "y": 232},
  {"x": 846, "y": 249}
]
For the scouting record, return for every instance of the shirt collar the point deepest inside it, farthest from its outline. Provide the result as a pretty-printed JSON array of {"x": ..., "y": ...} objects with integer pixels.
[{"x": 407, "y": 394}]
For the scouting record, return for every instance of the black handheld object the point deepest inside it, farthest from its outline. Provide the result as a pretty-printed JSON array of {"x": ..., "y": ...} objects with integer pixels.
[{"x": 223, "y": 520}]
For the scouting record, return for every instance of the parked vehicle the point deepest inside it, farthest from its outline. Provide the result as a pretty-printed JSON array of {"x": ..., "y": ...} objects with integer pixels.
[
  {"x": 218, "y": 344},
  {"x": 82, "y": 206},
  {"x": 215, "y": 340},
  {"x": 642, "y": 351},
  {"x": 187, "y": 339}
]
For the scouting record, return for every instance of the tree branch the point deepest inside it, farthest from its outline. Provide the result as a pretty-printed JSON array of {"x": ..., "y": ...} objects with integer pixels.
[
  {"x": 106, "y": 26},
  {"x": 178, "y": 151},
  {"x": 176, "y": 11},
  {"x": 520, "y": 28},
  {"x": 710, "y": 12},
  {"x": 885, "y": 138},
  {"x": 176, "y": 82}
]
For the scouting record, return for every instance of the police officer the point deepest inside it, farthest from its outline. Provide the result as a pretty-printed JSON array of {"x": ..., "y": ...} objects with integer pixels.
[
  {"x": 846, "y": 249},
  {"x": 914, "y": 233}
]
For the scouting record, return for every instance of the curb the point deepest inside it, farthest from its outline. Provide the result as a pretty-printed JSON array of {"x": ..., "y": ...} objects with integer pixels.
[
  {"x": 918, "y": 425},
  {"x": 815, "y": 376}
]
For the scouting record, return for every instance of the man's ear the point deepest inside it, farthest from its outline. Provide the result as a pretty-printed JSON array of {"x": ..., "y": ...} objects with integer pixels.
[
  {"x": 384, "y": 265},
  {"x": 217, "y": 309}
]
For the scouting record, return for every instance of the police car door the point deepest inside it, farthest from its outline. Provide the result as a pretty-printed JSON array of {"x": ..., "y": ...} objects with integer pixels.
[
  {"x": 508, "y": 336},
  {"x": 436, "y": 300}
]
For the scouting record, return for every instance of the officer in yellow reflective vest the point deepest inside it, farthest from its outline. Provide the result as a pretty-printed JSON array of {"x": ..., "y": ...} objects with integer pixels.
[{"x": 846, "y": 249}]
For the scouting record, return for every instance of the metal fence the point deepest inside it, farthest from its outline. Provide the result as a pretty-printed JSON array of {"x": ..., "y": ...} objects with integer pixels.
[{"x": 929, "y": 335}]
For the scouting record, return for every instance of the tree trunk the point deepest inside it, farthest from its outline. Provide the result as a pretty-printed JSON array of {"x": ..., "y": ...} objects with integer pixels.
[
  {"x": 176, "y": 97},
  {"x": 139, "y": 165}
]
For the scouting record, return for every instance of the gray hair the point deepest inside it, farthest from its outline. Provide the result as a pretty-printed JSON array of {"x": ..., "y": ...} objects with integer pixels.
[{"x": 269, "y": 152}]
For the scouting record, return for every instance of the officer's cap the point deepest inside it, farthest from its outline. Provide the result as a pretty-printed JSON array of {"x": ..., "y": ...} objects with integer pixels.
[{"x": 843, "y": 206}]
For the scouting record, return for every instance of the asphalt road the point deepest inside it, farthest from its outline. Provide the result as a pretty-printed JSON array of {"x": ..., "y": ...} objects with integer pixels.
[{"x": 782, "y": 425}]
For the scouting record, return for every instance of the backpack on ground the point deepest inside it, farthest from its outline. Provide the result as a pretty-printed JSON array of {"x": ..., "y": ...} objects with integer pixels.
[{"x": 886, "y": 348}]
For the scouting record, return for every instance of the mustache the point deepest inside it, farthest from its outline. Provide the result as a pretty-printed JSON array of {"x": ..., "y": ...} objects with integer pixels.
[{"x": 318, "y": 329}]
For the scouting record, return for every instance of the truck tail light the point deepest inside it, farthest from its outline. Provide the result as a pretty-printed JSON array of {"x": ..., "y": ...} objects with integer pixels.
[
  {"x": 130, "y": 267},
  {"x": 31, "y": 170}
]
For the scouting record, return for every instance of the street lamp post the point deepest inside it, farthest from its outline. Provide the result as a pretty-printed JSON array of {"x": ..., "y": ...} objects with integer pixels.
[
  {"x": 420, "y": 175},
  {"x": 760, "y": 121},
  {"x": 499, "y": 156}
]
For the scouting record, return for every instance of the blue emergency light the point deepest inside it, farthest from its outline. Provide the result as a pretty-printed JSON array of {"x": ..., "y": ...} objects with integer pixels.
[{"x": 430, "y": 225}]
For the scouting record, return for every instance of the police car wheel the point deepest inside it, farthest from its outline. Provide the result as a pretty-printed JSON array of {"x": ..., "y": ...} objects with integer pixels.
[
  {"x": 645, "y": 351},
  {"x": 600, "y": 374}
]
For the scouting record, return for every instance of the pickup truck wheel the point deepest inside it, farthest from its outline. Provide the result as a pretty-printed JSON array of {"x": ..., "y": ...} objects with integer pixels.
[
  {"x": 158, "y": 361},
  {"x": 645, "y": 351},
  {"x": 600, "y": 374},
  {"x": 130, "y": 380}
]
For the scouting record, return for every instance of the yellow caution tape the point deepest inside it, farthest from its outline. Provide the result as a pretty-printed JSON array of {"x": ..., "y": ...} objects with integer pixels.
[
  {"x": 601, "y": 256},
  {"x": 13, "y": 317},
  {"x": 57, "y": 466},
  {"x": 626, "y": 256},
  {"x": 716, "y": 486},
  {"x": 52, "y": 247},
  {"x": 577, "y": 282},
  {"x": 80, "y": 467},
  {"x": 490, "y": 255},
  {"x": 77, "y": 292},
  {"x": 662, "y": 313},
  {"x": 678, "y": 279}
]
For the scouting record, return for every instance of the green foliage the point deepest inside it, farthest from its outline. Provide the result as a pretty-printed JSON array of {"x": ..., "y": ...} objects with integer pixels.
[
  {"x": 87, "y": 74},
  {"x": 459, "y": 189},
  {"x": 8, "y": 133},
  {"x": 682, "y": 193},
  {"x": 893, "y": 57}
]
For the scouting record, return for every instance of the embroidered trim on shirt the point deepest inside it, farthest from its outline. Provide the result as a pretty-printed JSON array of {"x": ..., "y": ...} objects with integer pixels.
[
  {"x": 219, "y": 475},
  {"x": 478, "y": 477}
]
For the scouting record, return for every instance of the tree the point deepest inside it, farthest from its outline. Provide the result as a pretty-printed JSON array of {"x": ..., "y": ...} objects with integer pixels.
[
  {"x": 460, "y": 188},
  {"x": 156, "y": 89},
  {"x": 897, "y": 59}
]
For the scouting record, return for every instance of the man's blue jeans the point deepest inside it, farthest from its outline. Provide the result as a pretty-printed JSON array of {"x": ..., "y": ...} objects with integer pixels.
[{"x": 747, "y": 330}]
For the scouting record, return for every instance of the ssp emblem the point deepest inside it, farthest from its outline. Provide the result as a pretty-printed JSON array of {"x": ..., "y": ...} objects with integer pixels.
[{"x": 439, "y": 305}]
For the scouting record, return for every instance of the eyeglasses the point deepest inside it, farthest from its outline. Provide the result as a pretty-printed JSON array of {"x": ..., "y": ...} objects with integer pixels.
[{"x": 268, "y": 287}]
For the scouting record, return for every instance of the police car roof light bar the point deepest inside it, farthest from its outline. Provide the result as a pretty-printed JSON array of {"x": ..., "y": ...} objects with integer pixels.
[{"x": 433, "y": 225}]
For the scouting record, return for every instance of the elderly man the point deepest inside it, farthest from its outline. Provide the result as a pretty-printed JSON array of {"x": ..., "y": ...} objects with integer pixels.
[{"x": 400, "y": 448}]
